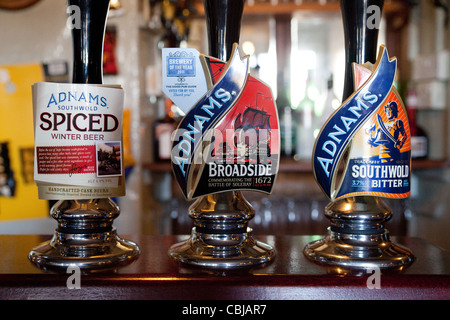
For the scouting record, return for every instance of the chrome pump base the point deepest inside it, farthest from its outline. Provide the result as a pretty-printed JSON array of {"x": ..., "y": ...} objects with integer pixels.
[
  {"x": 357, "y": 239},
  {"x": 85, "y": 238},
  {"x": 221, "y": 238}
]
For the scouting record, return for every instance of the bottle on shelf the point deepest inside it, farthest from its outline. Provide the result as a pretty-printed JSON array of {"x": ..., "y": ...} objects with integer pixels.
[
  {"x": 331, "y": 103},
  {"x": 162, "y": 133},
  {"x": 287, "y": 126},
  {"x": 306, "y": 123},
  {"x": 287, "y": 132},
  {"x": 419, "y": 138}
]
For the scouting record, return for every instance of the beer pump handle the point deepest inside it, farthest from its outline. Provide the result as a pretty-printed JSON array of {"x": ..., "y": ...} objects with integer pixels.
[
  {"x": 357, "y": 218},
  {"x": 85, "y": 236},
  {"x": 88, "y": 39},
  {"x": 361, "y": 36},
  {"x": 223, "y": 18}
]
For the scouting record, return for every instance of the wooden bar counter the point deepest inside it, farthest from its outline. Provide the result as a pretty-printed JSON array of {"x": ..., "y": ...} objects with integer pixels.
[{"x": 154, "y": 276}]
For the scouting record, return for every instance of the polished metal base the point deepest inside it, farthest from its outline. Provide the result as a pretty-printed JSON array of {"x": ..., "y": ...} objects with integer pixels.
[
  {"x": 221, "y": 238},
  {"x": 85, "y": 238},
  {"x": 86, "y": 251},
  {"x": 358, "y": 252},
  {"x": 357, "y": 239},
  {"x": 222, "y": 252}
]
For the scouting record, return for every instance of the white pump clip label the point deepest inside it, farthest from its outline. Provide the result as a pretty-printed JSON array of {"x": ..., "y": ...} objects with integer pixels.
[{"x": 78, "y": 140}]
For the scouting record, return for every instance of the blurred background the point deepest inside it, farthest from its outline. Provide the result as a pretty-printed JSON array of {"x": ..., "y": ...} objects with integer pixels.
[{"x": 296, "y": 46}]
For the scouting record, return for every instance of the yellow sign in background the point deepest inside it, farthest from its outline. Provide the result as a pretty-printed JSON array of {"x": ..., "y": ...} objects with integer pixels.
[{"x": 16, "y": 129}]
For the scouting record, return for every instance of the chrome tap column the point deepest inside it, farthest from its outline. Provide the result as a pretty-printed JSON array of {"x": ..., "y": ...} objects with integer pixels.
[
  {"x": 374, "y": 138},
  {"x": 85, "y": 236},
  {"x": 221, "y": 238}
]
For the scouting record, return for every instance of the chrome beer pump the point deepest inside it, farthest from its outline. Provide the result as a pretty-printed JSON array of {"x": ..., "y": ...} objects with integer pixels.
[
  {"x": 85, "y": 236},
  {"x": 221, "y": 238},
  {"x": 357, "y": 238}
]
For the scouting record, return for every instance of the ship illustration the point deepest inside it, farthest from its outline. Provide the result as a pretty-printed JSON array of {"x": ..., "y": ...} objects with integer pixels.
[
  {"x": 252, "y": 118},
  {"x": 251, "y": 137}
]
